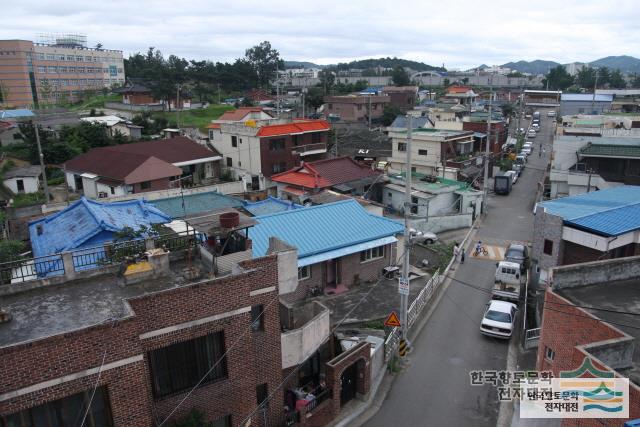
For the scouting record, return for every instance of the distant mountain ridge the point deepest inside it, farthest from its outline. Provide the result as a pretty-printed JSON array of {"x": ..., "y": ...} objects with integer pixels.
[
  {"x": 624, "y": 63},
  {"x": 368, "y": 63},
  {"x": 301, "y": 64}
]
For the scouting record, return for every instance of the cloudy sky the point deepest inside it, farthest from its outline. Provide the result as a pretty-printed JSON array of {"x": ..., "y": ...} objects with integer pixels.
[{"x": 458, "y": 33}]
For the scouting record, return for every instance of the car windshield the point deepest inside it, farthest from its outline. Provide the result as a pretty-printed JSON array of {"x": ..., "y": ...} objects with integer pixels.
[
  {"x": 498, "y": 316},
  {"x": 514, "y": 253}
]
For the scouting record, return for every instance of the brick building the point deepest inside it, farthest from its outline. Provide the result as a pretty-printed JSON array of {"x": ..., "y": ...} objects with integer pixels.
[
  {"x": 260, "y": 148},
  {"x": 355, "y": 108},
  {"x": 46, "y": 73},
  {"x": 587, "y": 227},
  {"x": 403, "y": 97},
  {"x": 571, "y": 331}
]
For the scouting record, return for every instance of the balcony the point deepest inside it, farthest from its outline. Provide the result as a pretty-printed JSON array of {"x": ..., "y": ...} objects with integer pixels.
[
  {"x": 308, "y": 149},
  {"x": 305, "y": 328}
]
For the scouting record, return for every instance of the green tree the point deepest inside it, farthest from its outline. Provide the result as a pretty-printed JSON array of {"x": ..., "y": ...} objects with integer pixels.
[
  {"x": 265, "y": 60},
  {"x": 508, "y": 110},
  {"x": 635, "y": 81},
  {"x": 327, "y": 80},
  {"x": 446, "y": 82},
  {"x": 314, "y": 97},
  {"x": 400, "y": 77},
  {"x": 604, "y": 76},
  {"x": 389, "y": 114},
  {"x": 10, "y": 250},
  {"x": 586, "y": 78},
  {"x": 616, "y": 80},
  {"x": 557, "y": 78}
]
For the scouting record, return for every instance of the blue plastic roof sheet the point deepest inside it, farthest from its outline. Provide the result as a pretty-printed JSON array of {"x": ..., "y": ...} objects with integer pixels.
[
  {"x": 196, "y": 203},
  {"x": 86, "y": 219},
  {"x": 609, "y": 212},
  {"x": 322, "y": 228}
]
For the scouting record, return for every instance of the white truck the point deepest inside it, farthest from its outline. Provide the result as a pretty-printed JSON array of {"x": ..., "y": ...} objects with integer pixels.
[{"x": 508, "y": 281}]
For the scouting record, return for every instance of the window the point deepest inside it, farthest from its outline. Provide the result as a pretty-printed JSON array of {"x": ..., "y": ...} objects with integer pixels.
[
  {"x": 390, "y": 195},
  {"x": 222, "y": 422},
  {"x": 413, "y": 170},
  {"x": 42, "y": 69},
  {"x": 64, "y": 412},
  {"x": 72, "y": 69},
  {"x": 112, "y": 190},
  {"x": 295, "y": 139},
  {"x": 548, "y": 247},
  {"x": 422, "y": 152},
  {"x": 60, "y": 57},
  {"x": 374, "y": 106},
  {"x": 261, "y": 394},
  {"x": 371, "y": 254},
  {"x": 229, "y": 162},
  {"x": 62, "y": 69},
  {"x": 549, "y": 354},
  {"x": 359, "y": 107},
  {"x": 51, "y": 57},
  {"x": 40, "y": 56},
  {"x": 20, "y": 185},
  {"x": 87, "y": 58},
  {"x": 304, "y": 272},
  {"x": 276, "y": 144},
  {"x": 78, "y": 58},
  {"x": 414, "y": 205},
  {"x": 234, "y": 141},
  {"x": 316, "y": 138},
  {"x": 52, "y": 69},
  {"x": 70, "y": 58},
  {"x": 81, "y": 69},
  {"x": 279, "y": 167},
  {"x": 180, "y": 366},
  {"x": 330, "y": 106},
  {"x": 145, "y": 185},
  {"x": 257, "y": 318},
  {"x": 402, "y": 146}
]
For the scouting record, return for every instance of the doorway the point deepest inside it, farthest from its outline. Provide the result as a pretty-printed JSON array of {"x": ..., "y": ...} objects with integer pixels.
[
  {"x": 348, "y": 384},
  {"x": 333, "y": 272}
]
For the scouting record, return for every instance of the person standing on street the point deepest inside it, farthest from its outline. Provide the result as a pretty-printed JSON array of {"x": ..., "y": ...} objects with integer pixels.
[
  {"x": 456, "y": 251},
  {"x": 462, "y": 253}
]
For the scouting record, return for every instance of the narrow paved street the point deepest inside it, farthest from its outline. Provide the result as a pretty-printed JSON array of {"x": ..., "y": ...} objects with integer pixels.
[{"x": 435, "y": 389}]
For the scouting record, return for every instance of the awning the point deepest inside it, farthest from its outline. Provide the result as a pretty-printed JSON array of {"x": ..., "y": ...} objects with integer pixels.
[{"x": 337, "y": 253}]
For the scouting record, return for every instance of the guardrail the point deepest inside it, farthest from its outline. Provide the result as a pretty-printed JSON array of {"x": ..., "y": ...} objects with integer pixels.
[
  {"x": 418, "y": 304},
  {"x": 31, "y": 269},
  {"x": 28, "y": 269}
]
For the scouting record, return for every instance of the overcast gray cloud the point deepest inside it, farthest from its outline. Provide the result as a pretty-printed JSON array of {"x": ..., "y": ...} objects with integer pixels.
[{"x": 458, "y": 33}]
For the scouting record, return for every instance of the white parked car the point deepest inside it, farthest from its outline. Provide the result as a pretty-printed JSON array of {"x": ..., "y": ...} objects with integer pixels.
[
  {"x": 551, "y": 113},
  {"x": 525, "y": 151},
  {"x": 499, "y": 319},
  {"x": 531, "y": 133},
  {"x": 528, "y": 145},
  {"x": 424, "y": 236},
  {"x": 535, "y": 127}
]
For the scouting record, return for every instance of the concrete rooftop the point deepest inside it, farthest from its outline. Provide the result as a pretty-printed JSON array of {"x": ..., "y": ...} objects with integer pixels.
[{"x": 56, "y": 309}]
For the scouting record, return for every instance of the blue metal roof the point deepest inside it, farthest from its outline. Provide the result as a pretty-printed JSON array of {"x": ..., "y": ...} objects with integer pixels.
[
  {"x": 196, "y": 203},
  {"x": 585, "y": 97},
  {"x": 88, "y": 222},
  {"x": 609, "y": 212},
  {"x": 270, "y": 205},
  {"x": 14, "y": 114},
  {"x": 322, "y": 228}
]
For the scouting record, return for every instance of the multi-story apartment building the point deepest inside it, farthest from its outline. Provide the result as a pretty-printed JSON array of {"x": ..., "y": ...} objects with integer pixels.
[{"x": 37, "y": 73}]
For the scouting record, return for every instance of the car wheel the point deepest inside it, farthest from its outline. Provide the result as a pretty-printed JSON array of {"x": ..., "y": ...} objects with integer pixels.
[{"x": 429, "y": 241}]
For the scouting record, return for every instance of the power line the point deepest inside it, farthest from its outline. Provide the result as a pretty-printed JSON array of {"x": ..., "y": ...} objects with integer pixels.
[{"x": 295, "y": 370}]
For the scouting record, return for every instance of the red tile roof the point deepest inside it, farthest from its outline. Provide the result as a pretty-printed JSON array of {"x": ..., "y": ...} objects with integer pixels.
[
  {"x": 325, "y": 173},
  {"x": 214, "y": 126},
  {"x": 240, "y": 113},
  {"x": 293, "y": 128}
]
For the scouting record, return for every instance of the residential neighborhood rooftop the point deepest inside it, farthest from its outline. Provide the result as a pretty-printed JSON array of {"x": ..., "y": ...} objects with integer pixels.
[
  {"x": 296, "y": 127},
  {"x": 323, "y": 230},
  {"x": 326, "y": 173},
  {"x": 268, "y": 206},
  {"x": 608, "y": 212},
  {"x": 611, "y": 150},
  {"x": 195, "y": 203},
  {"x": 86, "y": 221},
  {"x": 25, "y": 171}
]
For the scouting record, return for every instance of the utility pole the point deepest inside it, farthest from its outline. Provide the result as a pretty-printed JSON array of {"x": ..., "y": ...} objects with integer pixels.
[
  {"x": 369, "y": 111},
  {"x": 42, "y": 168},
  {"x": 178, "y": 107},
  {"x": 485, "y": 184},
  {"x": 219, "y": 94},
  {"x": 404, "y": 297}
]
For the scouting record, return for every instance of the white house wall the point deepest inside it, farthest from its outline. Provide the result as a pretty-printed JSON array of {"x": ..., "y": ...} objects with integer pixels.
[
  {"x": 30, "y": 184},
  {"x": 596, "y": 242},
  {"x": 245, "y": 156}
]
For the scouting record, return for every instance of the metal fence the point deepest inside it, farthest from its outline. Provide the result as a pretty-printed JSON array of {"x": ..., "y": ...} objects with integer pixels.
[
  {"x": 421, "y": 301},
  {"x": 28, "y": 269},
  {"x": 31, "y": 269}
]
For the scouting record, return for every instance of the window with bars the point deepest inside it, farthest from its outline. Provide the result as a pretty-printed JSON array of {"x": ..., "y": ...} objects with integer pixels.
[{"x": 180, "y": 366}]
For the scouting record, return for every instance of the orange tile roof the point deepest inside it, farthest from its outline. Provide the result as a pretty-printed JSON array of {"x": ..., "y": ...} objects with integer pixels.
[
  {"x": 293, "y": 128},
  {"x": 325, "y": 173},
  {"x": 214, "y": 126},
  {"x": 458, "y": 89}
]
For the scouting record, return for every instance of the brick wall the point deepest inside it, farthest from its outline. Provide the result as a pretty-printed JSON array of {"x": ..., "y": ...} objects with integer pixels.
[
  {"x": 156, "y": 184},
  {"x": 563, "y": 333},
  {"x": 252, "y": 357},
  {"x": 361, "y": 355}
]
